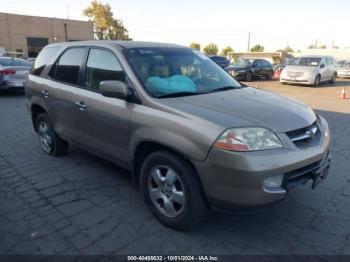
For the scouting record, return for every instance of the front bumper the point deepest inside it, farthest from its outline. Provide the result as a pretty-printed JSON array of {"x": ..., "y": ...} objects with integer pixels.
[
  {"x": 306, "y": 80},
  {"x": 235, "y": 179},
  {"x": 343, "y": 74}
]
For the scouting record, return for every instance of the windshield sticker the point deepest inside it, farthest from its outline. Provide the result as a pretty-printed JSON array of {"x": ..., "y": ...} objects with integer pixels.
[
  {"x": 146, "y": 52},
  {"x": 200, "y": 54}
]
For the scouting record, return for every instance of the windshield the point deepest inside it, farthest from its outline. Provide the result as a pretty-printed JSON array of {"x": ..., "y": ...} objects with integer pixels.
[
  {"x": 309, "y": 61},
  {"x": 243, "y": 62},
  {"x": 169, "y": 71}
]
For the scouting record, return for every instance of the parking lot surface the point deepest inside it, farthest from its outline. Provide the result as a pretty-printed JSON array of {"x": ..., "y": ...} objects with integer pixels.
[{"x": 80, "y": 204}]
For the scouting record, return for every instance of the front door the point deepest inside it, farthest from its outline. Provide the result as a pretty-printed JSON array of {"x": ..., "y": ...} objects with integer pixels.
[{"x": 103, "y": 121}]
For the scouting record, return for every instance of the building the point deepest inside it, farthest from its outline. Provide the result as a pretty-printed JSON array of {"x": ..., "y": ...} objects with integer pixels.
[
  {"x": 338, "y": 53},
  {"x": 27, "y": 35}
]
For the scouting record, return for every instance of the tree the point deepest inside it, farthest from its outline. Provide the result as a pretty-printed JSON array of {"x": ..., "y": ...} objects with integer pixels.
[
  {"x": 288, "y": 49},
  {"x": 195, "y": 45},
  {"x": 311, "y": 46},
  {"x": 211, "y": 49},
  {"x": 226, "y": 50},
  {"x": 106, "y": 27},
  {"x": 323, "y": 46},
  {"x": 257, "y": 48}
]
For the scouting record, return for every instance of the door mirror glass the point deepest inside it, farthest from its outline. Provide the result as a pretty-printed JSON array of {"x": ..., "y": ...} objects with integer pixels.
[
  {"x": 322, "y": 65},
  {"x": 114, "y": 88}
]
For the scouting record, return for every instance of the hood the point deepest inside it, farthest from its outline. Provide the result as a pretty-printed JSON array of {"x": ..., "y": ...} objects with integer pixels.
[
  {"x": 246, "y": 107},
  {"x": 294, "y": 68}
]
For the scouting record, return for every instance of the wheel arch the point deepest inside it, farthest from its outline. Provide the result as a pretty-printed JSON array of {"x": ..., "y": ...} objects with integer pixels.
[{"x": 35, "y": 110}]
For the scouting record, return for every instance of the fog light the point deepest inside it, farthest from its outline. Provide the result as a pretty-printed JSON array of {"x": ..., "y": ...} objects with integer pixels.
[{"x": 273, "y": 181}]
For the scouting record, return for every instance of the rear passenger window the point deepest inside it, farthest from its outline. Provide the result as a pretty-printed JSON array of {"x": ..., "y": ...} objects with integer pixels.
[
  {"x": 68, "y": 66},
  {"x": 102, "y": 65},
  {"x": 44, "y": 57}
]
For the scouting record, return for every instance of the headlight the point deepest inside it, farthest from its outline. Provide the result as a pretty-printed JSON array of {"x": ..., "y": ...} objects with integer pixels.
[{"x": 248, "y": 139}]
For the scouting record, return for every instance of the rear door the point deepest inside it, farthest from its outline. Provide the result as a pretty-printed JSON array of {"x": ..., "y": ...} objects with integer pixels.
[
  {"x": 64, "y": 80},
  {"x": 104, "y": 121},
  {"x": 258, "y": 68}
]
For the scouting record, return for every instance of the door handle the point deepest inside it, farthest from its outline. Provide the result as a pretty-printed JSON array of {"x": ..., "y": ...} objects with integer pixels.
[
  {"x": 45, "y": 93},
  {"x": 82, "y": 106}
]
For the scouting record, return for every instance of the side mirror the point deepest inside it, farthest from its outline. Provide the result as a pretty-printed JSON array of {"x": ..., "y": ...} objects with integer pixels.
[
  {"x": 322, "y": 65},
  {"x": 114, "y": 89}
]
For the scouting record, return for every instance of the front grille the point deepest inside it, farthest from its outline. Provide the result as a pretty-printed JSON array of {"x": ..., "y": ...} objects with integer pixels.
[
  {"x": 295, "y": 74},
  {"x": 304, "y": 134}
]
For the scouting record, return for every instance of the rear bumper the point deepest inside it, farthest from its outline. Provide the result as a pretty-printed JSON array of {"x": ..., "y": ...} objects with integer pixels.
[
  {"x": 12, "y": 85},
  {"x": 234, "y": 180}
]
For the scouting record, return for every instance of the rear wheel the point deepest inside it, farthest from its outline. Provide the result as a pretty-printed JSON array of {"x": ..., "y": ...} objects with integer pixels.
[
  {"x": 50, "y": 142},
  {"x": 317, "y": 81},
  {"x": 172, "y": 190}
]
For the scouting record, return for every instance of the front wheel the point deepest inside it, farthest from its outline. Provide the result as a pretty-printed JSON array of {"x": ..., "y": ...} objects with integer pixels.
[
  {"x": 249, "y": 77},
  {"x": 333, "y": 79},
  {"x": 172, "y": 190},
  {"x": 317, "y": 81},
  {"x": 50, "y": 142}
]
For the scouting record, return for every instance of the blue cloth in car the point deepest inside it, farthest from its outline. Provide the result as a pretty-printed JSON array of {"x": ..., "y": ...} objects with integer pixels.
[{"x": 163, "y": 86}]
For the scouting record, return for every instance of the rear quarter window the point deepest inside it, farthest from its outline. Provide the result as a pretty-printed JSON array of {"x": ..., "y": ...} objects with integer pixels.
[{"x": 42, "y": 60}]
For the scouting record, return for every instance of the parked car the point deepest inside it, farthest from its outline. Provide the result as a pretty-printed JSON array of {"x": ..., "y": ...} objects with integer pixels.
[
  {"x": 13, "y": 73},
  {"x": 284, "y": 63},
  {"x": 249, "y": 69},
  {"x": 343, "y": 70},
  {"x": 311, "y": 70},
  {"x": 193, "y": 137},
  {"x": 220, "y": 60}
]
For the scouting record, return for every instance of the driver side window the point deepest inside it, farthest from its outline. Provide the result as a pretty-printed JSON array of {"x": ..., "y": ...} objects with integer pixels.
[{"x": 102, "y": 65}]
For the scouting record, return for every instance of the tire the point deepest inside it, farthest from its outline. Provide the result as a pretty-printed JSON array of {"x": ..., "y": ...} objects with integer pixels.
[
  {"x": 49, "y": 141},
  {"x": 190, "y": 206},
  {"x": 317, "y": 81},
  {"x": 334, "y": 78},
  {"x": 249, "y": 77}
]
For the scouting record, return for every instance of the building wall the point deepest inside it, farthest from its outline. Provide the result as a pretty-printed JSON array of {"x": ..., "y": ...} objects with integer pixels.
[{"x": 14, "y": 30}]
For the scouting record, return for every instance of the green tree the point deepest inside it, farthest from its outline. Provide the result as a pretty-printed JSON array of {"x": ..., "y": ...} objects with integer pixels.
[
  {"x": 211, "y": 49},
  {"x": 106, "y": 27},
  {"x": 257, "y": 48},
  {"x": 288, "y": 49},
  {"x": 226, "y": 50},
  {"x": 311, "y": 46},
  {"x": 323, "y": 46},
  {"x": 195, "y": 45}
]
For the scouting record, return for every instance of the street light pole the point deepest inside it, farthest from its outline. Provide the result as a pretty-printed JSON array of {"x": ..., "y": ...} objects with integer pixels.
[{"x": 248, "y": 42}]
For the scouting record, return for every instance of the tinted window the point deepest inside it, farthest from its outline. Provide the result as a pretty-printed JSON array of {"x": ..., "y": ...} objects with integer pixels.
[
  {"x": 102, "y": 65},
  {"x": 67, "y": 68},
  {"x": 44, "y": 57}
]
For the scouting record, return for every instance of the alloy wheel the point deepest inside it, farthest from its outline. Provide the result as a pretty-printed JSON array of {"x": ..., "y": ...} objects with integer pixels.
[
  {"x": 45, "y": 137},
  {"x": 166, "y": 191}
]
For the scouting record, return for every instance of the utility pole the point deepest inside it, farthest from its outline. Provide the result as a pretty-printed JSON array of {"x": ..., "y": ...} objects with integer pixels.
[
  {"x": 316, "y": 44},
  {"x": 248, "y": 42},
  {"x": 68, "y": 12}
]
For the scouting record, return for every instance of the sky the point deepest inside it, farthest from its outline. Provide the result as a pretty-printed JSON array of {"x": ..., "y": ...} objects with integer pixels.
[{"x": 272, "y": 23}]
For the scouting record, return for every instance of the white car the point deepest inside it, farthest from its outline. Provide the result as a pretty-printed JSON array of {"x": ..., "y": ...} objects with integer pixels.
[
  {"x": 311, "y": 70},
  {"x": 344, "y": 69}
]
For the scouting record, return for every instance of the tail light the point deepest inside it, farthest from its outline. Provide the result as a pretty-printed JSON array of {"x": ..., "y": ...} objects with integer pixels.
[{"x": 7, "y": 72}]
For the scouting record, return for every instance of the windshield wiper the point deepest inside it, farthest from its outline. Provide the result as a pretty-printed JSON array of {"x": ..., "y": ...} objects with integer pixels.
[
  {"x": 224, "y": 88},
  {"x": 178, "y": 94}
]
